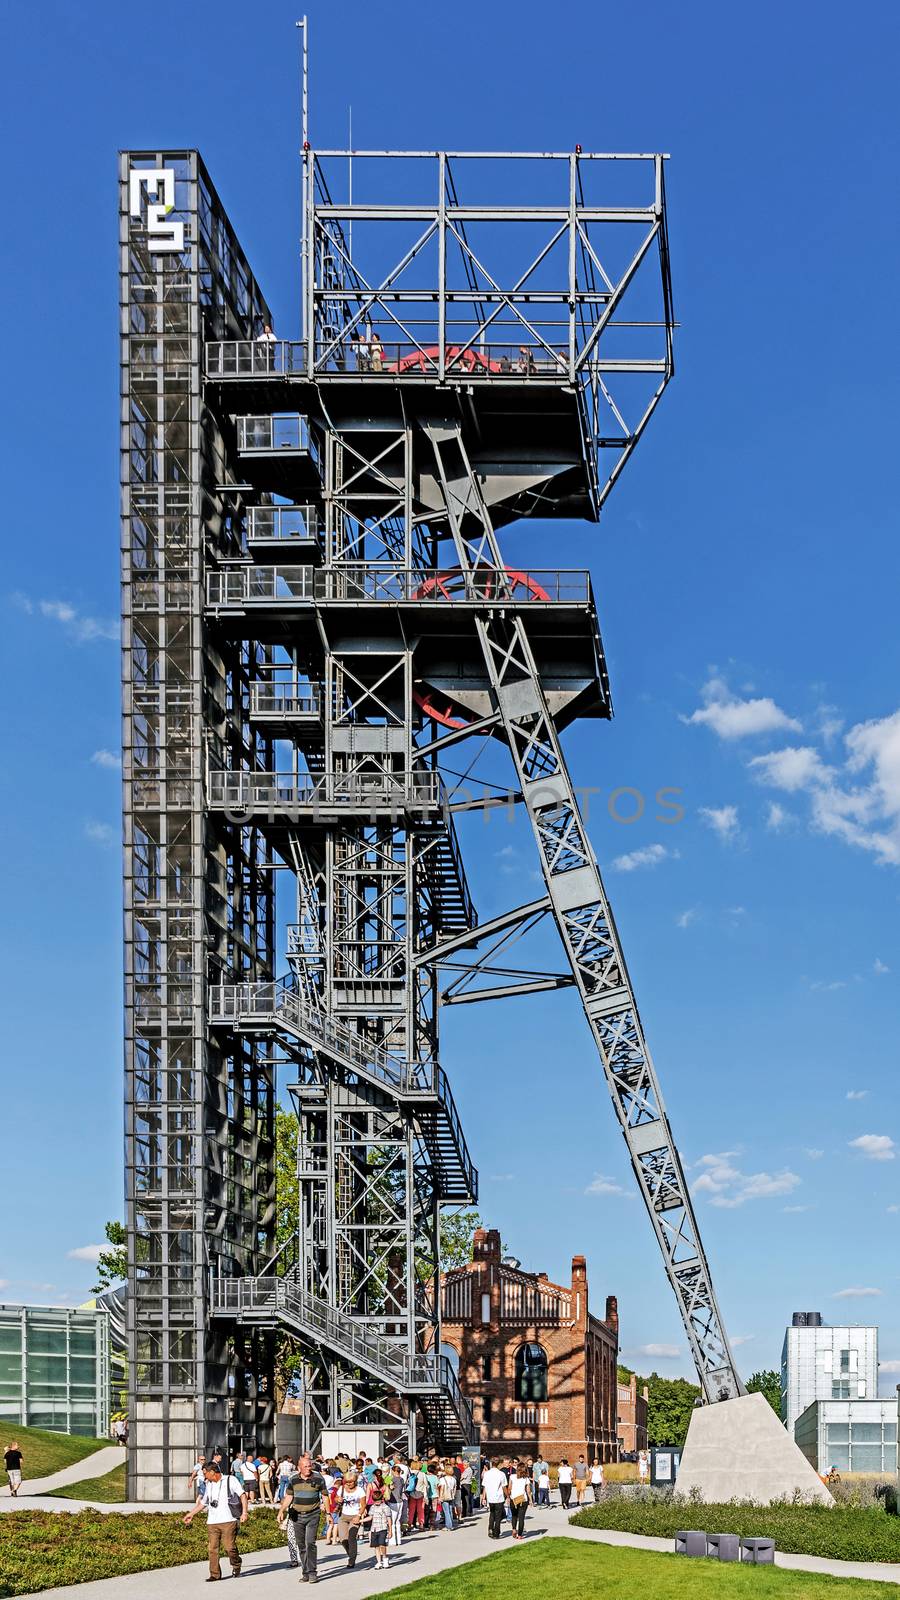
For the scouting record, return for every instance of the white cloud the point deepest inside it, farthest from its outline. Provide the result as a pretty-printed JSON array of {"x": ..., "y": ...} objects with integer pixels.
[
  {"x": 685, "y": 918},
  {"x": 856, "y": 1294},
  {"x": 828, "y": 723},
  {"x": 4, "y": 1283},
  {"x": 859, "y": 804},
  {"x": 503, "y": 1177},
  {"x": 106, "y": 758},
  {"x": 82, "y": 627},
  {"x": 732, "y": 718},
  {"x": 665, "y": 1352},
  {"x": 601, "y": 1185},
  {"x": 814, "y": 1155},
  {"x": 85, "y": 1252},
  {"x": 100, "y": 833},
  {"x": 880, "y": 968},
  {"x": 722, "y": 819},
  {"x": 889, "y": 1366},
  {"x": 893, "y": 1208},
  {"x": 777, "y": 818},
  {"x": 742, "y": 1338},
  {"x": 727, "y": 1186},
  {"x": 857, "y": 1094},
  {"x": 874, "y": 1146},
  {"x": 796, "y": 767},
  {"x": 794, "y": 1210},
  {"x": 650, "y": 856},
  {"x": 827, "y": 986}
]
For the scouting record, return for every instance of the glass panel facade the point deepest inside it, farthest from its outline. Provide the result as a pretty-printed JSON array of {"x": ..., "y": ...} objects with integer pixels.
[{"x": 54, "y": 1369}]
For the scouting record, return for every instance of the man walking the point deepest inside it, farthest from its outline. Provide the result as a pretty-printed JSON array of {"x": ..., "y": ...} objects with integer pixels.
[
  {"x": 301, "y": 1507},
  {"x": 225, "y": 1503},
  {"x": 494, "y": 1490},
  {"x": 580, "y": 1474},
  {"x": 12, "y": 1460}
]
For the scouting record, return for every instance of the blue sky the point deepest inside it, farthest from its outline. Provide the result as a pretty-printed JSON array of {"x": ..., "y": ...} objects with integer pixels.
[{"x": 746, "y": 573}]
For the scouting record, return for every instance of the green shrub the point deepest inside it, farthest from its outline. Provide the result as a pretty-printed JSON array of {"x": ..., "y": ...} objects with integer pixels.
[
  {"x": 42, "y": 1549},
  {"x": 841, "y": 1533}
]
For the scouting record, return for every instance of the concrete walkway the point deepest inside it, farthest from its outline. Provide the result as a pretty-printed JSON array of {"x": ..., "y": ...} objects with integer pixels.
[
  {"x": 93, "y": 1466},
  {"x": 420, "y": 1557}
]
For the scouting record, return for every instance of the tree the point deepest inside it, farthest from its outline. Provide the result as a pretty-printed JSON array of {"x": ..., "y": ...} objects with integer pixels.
[
  {"x": 457, "y": 1230},
  {"x": 112, "y": 1264},
  {"x": 624, "y": 1374},
  {"x": 769, "y": 1384},
  {"x": 671, "y": 1403}
]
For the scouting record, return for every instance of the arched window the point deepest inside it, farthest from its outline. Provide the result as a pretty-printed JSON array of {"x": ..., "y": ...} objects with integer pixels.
[{"x": 531, "y": 1372}]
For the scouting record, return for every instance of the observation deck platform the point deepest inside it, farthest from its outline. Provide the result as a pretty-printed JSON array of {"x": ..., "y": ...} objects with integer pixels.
[
  {"x": 392, "y": 607},
  {"x": 527, "y": 429}
]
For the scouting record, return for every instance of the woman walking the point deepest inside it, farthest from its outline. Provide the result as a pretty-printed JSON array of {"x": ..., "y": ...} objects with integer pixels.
[
  {"x": 519, "y": 1497},
  {"x": 597, "y": 1480},
  {"x": 564, "y": 1479},
  {"x": 354, "y": 1494}
]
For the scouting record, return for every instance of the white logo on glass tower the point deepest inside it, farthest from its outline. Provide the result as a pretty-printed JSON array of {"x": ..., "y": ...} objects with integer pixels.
[{"x": 160, "y": 186}]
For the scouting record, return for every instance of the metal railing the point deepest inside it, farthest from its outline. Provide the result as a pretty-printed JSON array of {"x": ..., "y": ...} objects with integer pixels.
[
  {"x": 241, "y": 791},
  {"x": 255, "y": 358},
  {"x": 266, "y": 524},
  {"x": 357, "y": 1342},
  {"x": 370, "y": 356},
  {"x": 285, "y": 700},
  {"x": 280, "y": 1002},
  {"x": 282, "y": 431},
  {"x": 305, "y": 585}
]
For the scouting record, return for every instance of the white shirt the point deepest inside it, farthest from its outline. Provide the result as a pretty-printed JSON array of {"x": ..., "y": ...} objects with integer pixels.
[
  {"x": 493, "y": 1483},
  {"x": 565, "y": 1475},
  {"x": 217, "y": 1507},
  {"x": 248, "y": 1468},
  {"x": 518, "y": 1487},
  {"x": 597, "y": 1474}
]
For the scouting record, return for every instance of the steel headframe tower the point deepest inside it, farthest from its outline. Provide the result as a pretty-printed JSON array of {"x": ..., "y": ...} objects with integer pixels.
[{"x": 317, "y": 607}]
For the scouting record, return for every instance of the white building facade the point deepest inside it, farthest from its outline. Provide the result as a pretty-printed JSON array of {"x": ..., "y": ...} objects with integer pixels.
[
  {"x": 851, "y": 1435},
  {"x": 823, "y": 1363}
]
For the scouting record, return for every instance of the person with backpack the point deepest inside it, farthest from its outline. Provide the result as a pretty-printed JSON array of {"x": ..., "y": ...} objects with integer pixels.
[
  {"x": 415, "y": 1494},
  {"x": 225, "y": 1503}
]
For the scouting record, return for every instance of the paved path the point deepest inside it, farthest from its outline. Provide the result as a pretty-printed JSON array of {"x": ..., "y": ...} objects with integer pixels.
[
  {"x": 93, "y": 1466},
  {"x": 419, "y": 1557}
]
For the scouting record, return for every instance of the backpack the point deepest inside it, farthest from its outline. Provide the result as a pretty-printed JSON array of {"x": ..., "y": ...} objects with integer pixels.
[
  {"x": 411, "y": 1483},
  {"x": 235, "y": 1505}
]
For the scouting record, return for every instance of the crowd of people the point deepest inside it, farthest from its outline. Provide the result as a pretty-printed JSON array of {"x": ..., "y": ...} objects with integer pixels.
[{"x": 383, "y": 1500}]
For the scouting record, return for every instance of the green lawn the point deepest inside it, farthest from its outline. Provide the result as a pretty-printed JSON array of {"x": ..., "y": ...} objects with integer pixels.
[
  {"x": 44, "y": 1452},
  {"x": 110, "y": 1488},
  {"x": 841, "y": 1533},
  {"x": 573, "y": 1570},
  {"x": 42, "y": 1549}
]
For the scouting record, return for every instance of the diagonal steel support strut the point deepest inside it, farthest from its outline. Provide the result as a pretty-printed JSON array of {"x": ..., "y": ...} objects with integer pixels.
[{"x": 584, "y": 918}]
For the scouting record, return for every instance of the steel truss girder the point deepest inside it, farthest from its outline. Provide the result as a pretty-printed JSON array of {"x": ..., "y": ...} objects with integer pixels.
[{"x": 587, "y": 929}]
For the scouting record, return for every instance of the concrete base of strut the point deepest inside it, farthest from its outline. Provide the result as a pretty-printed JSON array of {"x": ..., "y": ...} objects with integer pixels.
[{"x": 738, "y": 1450}]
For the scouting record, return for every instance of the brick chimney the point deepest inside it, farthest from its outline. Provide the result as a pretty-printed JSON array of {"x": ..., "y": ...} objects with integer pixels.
[
  {"x": 486, "y": 1246},
  {"x": 612, "y": 1311},
  {"x": 580, "y": 1288}
]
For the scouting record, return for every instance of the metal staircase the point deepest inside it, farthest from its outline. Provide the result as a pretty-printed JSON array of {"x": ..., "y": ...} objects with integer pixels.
[
  {"x": 270, "y": 1300},
  {"x": 445, "y": 877},
  {"x": 585, "y": 922},
  {"x": 422, "y": 1085}
]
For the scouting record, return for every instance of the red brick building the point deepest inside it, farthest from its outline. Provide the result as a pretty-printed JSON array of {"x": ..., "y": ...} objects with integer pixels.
[
  {"x": 631, "y": 1416},
  {"x": 538, "y": 1367}
]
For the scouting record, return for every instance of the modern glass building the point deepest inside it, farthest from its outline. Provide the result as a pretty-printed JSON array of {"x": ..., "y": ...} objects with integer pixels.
[
  {"x": 54, "y": 1369},
  {"x": 823, "y": 1363},
  {"x": 852, "y": 1435}
]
